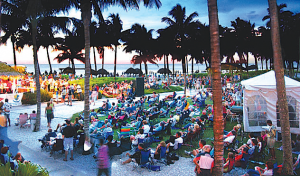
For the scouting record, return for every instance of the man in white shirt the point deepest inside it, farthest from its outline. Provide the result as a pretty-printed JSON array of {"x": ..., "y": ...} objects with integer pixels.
[
  {"x": 146, "y": 127},
  {"x": 178, "y": 140}
]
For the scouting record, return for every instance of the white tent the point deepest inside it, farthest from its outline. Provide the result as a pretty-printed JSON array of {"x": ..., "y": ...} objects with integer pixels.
[{"x": 260, "y": 102}]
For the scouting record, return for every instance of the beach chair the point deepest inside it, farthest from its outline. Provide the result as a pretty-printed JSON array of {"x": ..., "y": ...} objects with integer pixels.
[
  {"x": 145, "y": 161},
  {"x": 57, "y": 146},
  {"x": 23, "y": 121},
  {"x": 125, "y": 131}
]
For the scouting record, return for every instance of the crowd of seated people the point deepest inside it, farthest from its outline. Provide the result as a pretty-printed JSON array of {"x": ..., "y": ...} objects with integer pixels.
[{"x": 6, "y": 156}]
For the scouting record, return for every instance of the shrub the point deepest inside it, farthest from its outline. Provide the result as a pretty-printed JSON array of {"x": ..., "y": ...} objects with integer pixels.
[{"x": 30, "y": 98}]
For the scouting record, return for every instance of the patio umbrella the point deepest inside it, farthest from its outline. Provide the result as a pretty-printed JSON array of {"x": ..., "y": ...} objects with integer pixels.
[
  {"x": 164, "y": 71},
  {"x": 130, "y": 71},
  {"x": 6, "y": 70},
  {"x": 94, "y": 72},
  {"x": 138, "y": 71},
  {"x": 103, "y": 71},
  {"x": 68, "y": 70}
]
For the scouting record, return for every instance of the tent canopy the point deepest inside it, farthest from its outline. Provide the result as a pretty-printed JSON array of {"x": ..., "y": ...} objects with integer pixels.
[
  {"x": 260, "y": 102},
  {"x": 7, "y": 70}
]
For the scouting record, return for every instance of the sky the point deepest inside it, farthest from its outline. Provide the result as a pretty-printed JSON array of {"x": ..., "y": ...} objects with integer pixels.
[{"x": 228, "y": 10}]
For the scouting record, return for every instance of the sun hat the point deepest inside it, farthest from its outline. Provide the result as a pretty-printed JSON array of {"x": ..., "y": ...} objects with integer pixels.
[{"x": 111, "y": 113}]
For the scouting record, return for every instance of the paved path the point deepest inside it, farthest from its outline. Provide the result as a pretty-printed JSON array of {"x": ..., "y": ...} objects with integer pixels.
[{"x": 83, "y": 164}]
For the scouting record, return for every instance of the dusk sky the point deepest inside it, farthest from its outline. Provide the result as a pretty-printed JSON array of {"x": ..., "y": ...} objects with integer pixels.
[{"x": 229, "y": 10}]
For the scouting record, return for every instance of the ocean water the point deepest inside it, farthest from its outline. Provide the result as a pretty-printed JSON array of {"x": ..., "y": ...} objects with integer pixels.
[{"x": 110, "y": 67}]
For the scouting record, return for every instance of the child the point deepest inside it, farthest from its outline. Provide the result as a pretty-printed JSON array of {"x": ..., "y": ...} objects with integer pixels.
[{"x": 228, "y": 166}]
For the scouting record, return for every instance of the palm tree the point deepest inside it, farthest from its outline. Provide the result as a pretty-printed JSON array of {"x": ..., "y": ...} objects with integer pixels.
[
  {"x": 281, "y": 90},
  {"x": 115, "y": 28},
  {"x": 86, "y": 7},
  {"x": 140, "y": 40},
  {"x": 71, "y": 49},
  {"x": 217, "y": 88},
  {"x": 181, "y": 26},
  {"x": 12, "y": 23}
]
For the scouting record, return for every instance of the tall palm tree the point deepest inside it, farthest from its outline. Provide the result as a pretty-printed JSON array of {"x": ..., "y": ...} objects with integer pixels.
[
  {"x": 217, "y": 88},
  {"x": 115, "y": 28},
  {"x": 181, "y": 24},
  {"x": 140, "y": 40},
  {"x": 13, "y": 20},
  {"x": 86, "y": 7},
  {"x": 281, "y": 90}
]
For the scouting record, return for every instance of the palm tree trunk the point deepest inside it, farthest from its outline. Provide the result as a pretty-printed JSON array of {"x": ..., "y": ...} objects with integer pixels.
[
  {"x": 86, "y": 17},
  {"x": 187, "y": 66},
  {"x": 281, "y": 91},
  {"x": 115, "y": 64},
  {"x": 95, "y": 58},
  {"x": 256, "y": 63},
  {"x": 173, "y": 69},
  {"x": 13, "y": 40},
  {"x": 141, "y": 67},
  {"x": 168, "y": 70},
  {"x": 192, "y": 68},
  {"x": 262, "y": 63},
  {"x": 146, "y": 70},
  {"x": 266, "y": 63},
  {"x": 37, "y": 75},
  {"x": 103, "y": 63},
  {"x": 184, "y": 73},
  {"x": 49, "y": 60},
  {"x": 164, "y": 65},
  {"x": 218, "y": 127}
]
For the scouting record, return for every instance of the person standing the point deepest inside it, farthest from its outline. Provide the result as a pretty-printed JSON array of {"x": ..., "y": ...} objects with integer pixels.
[
  {"x": 7, "y": 108},
  {"x": 68, "y": 133},
  {"x": 271, "y": 132},
  {"x": 79, "y": 91},
  {"x": 49, "y": 113},
  {"x": 103, "y": 159},
  {"x": 63, "y": 94},
  {"x": 70, "y": 96}
]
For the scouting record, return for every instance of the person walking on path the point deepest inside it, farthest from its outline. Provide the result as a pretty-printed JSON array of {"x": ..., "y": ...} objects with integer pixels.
[
  {"x": 271, "y": 132},
  {"x": 70, "y": 96},
  {"x": 48, "y": 113},
  {"x": 63, "y": 94},
  {"x": 7, "y": 108},
  {"x": 52, "y": 106},
  {"x": 68, "y": 132},
  {"x": 103, "y": 159}
]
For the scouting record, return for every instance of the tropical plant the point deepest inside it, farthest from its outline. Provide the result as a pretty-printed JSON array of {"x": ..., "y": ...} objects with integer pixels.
[
  {"x": 281, "y": 91},
  {"x": 181, "y": 26},
  {"x": 218, "y": 126},
  {"x": 115, "y": 28}
]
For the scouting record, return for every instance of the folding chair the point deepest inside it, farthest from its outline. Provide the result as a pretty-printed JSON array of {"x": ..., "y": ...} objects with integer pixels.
[
  {"x": 145, "y": 160},
  {"x": 59, "y": 145},
  {"x": 163, "y": 155},
  {"x": 23, "y": 121}
]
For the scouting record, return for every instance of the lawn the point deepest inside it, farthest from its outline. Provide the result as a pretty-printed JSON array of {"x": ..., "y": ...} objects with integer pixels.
[{"x": 209, "y": 137}]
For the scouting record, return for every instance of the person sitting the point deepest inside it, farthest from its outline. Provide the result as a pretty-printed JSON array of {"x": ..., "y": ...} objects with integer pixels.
[
  {"x": 107, "y": 129},
  {"x": 178, "y": 140},
  {"x": 198, "y": 151},
  {"x": 251, "y": 137},
  {"x": 158, "y": 149},
  {"x": 204, "y": 163},
  {"x": 159, "y": 127},
  {"x": 259, "y": 171},
  {"x": 229, "y": 140},
  {"x": 251, "y": 149},
  {"x": 235, "y": 128},
  {"x": 146, "y": 127},
  {"x": 46, "y": 139},
  {"x": 136, "y": 156},
  {"x": 297, "y": 144},
  {"x": 228, "y": 165},
  {"x": 139, "y": 135},
  {"x": 4, "y": 155}
]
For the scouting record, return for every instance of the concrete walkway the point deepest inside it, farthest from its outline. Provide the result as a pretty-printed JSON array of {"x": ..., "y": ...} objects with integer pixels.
[{"x": 29, "y": 146}]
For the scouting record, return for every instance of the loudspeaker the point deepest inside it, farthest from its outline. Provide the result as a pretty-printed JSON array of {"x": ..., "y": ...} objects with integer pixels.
[{"x": 139, "y": 87}]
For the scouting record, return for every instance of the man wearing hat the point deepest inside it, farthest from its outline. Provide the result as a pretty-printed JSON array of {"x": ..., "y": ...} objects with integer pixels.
[{"x": 68, "y": 134}]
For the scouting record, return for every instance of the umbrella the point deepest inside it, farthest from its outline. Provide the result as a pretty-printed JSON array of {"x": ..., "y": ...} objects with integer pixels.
[
  {"x": 94, "y": 72},
  {"x": 130, "y": 71},
  {"x": 103, "y": 71},
  {"x": 7, "y": 70},
  {"x": 164, "y": 71},
  {"x": 138, "y": 71},
  {"x": 68, "y": 70}
]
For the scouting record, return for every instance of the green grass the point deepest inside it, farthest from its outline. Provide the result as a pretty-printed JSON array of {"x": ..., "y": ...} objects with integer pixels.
[
  {"x": 161, "y": 90},
  {"x": 208, "y": 136}
]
